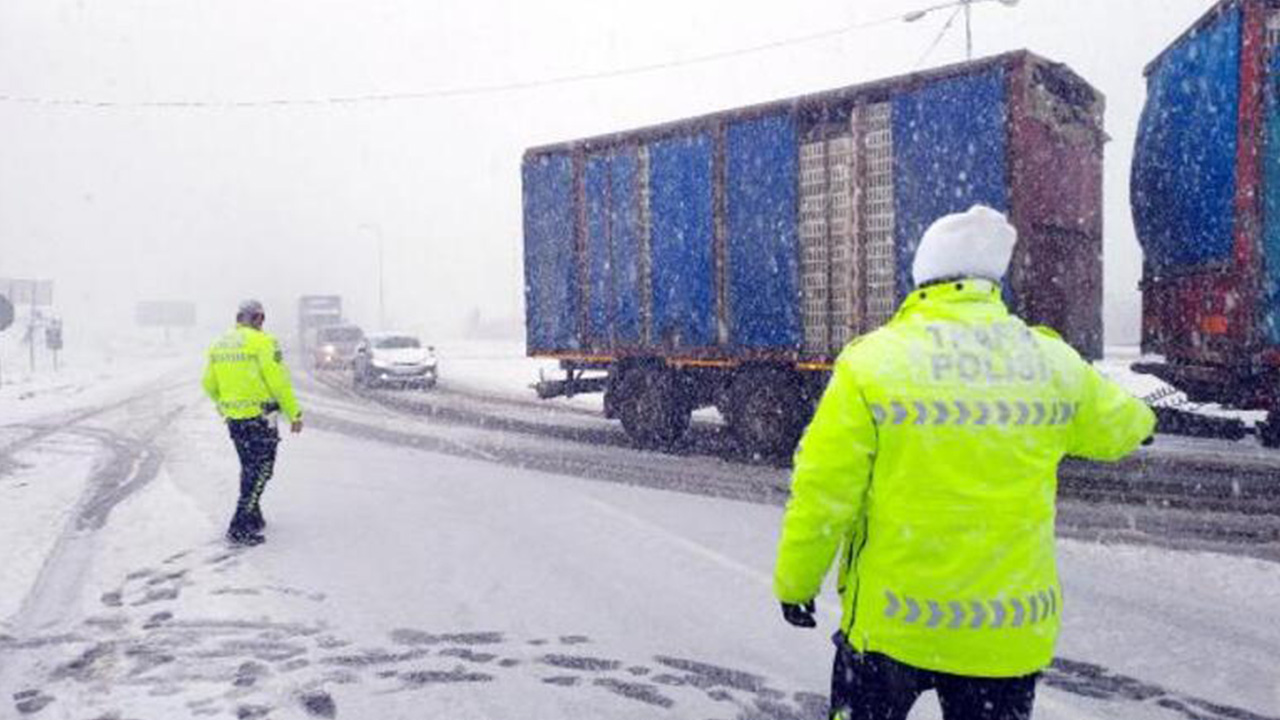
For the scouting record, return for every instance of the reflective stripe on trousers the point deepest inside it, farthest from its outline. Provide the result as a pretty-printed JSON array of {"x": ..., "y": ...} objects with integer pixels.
[{"x": 255, "y": 440}]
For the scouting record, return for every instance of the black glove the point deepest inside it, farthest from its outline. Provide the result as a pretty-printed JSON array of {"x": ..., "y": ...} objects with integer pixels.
[{"x": 800, "y": 615}]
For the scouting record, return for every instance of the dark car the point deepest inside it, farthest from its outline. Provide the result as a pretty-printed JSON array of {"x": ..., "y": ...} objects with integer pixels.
[{"x": 335, "y": 346}]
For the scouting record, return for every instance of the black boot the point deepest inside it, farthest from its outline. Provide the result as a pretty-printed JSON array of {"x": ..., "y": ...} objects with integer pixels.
[
  {"x": 255, "y": 522},
  {"x": 245, "y": 537}
]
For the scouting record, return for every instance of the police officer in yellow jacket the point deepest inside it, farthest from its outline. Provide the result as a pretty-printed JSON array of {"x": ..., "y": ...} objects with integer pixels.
[
  {"x": 931, "y": 462},
  {"x": 247, "y": 380}
]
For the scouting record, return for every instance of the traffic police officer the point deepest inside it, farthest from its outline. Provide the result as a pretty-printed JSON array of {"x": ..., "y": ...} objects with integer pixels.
[
  {"x": 247, "y": 380},
  {"x": 932, "y": 461}
]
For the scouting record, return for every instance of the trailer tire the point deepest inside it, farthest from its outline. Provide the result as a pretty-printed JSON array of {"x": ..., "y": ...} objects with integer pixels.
[
  {"x": 1269, "y": 432},
  {"x": 768, "y": 410},
  {"x": 652, "y": 406}
]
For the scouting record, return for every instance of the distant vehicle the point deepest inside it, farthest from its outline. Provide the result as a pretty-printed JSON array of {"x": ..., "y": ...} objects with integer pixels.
[
  {"x": 335, "y": 346},
  {"x": 1205, "y": 192},
  {"x": 727, "y": 259},
  {"x": 315, "y": 312},
  {"x": 395, "y": 360}
]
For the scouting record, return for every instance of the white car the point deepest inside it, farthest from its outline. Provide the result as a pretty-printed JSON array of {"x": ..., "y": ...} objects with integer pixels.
[{"x": 394, "y": 359}]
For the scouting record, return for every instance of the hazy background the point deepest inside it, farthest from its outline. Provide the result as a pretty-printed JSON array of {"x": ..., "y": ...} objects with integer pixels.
[{"x": 120, "y": 204}]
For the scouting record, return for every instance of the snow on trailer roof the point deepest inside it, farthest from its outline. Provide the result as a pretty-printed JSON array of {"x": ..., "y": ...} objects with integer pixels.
[{"x": 868, "y": 90}]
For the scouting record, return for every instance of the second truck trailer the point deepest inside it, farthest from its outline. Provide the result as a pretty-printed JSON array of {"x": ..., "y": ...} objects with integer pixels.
[{"x": 725, "y": 260}]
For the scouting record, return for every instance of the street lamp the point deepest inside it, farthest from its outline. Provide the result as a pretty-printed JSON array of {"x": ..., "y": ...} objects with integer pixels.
[
  {"x": 967, "y": 6},
  {"x": 382, "y": 298}
]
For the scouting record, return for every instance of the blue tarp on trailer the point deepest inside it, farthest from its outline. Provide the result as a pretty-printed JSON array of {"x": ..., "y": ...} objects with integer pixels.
[
  {"x": 628, "y": 326},
  {"x": 683, "y": 265},
  {"x": 599, "y": 271},
  {"x": 551, "y": 273},
  {"x": 763, "y": 241},
  {"x": 950, "y": 152},
  {"x": 613, "y": 251},
  {"x": 1184, "y": 184}
]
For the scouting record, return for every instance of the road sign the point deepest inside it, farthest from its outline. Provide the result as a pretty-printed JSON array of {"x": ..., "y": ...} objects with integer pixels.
[
  {"x": 6, "y": 312},
  {"x": 27, "y": 292},
  {"x": 53, "y": 335},
  {"x": 318, "y": 310}
]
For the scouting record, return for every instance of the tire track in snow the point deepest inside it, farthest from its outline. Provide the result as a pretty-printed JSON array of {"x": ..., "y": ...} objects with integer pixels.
[
  {"x": 42, "y": 428},
  {"x": 555, "y": 422},
  {"x": 130, "y": 461}
]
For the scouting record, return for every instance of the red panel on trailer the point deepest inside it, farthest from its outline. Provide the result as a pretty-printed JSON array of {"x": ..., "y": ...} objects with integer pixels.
[
  {"x": 1193, "y": 317},
  {"x": 1057, "y": 148},
  {"x": 1062, "y": 185},
  {"x": 1248, "y": 208}
]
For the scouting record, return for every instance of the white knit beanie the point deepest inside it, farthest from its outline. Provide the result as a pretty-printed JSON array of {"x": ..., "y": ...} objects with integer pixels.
[{"x": 978, "y": 243}]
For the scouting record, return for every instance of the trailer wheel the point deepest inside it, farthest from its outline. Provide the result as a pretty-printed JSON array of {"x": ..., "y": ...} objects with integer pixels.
[
  {"x": 652, "y": 406},
  {"x": 769, "y": 410},
  {"x": 1269, "y": 433}
]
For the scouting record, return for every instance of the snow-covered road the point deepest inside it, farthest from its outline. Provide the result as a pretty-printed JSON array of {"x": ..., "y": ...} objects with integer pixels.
[{"x": 414, "y": 569}]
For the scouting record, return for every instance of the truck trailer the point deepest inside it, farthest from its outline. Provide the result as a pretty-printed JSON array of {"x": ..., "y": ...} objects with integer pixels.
[
  {"x": 725, "y": 260},
  {"x": 1205, "y": 194},
  {"x": 315, "y": 312}
]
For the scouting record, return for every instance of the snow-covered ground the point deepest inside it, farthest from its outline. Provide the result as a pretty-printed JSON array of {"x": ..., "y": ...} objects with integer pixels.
[
  {"x": 82, "y": 376},
  {"x": 493, "y": 365},
  {"x": 404, "y": 582}
]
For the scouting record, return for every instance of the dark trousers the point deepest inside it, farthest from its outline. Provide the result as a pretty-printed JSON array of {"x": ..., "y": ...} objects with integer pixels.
[
  {"x": 871, "y": 686},
  {"x": 255, "y": 440}
]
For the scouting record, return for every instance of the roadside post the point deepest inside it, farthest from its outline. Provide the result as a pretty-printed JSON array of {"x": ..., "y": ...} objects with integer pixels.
[
  {"x": 33, "y": 323},
  {"x": 53, "y": 339},
  {"x": 35, "y": 294},
  {"x": 6, "y": 319}
]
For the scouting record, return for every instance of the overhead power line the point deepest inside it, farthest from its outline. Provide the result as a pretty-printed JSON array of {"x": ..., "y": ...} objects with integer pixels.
[
  {"x": 965, "y": 6},
  {"x": 938, "y": 38},
  {"x": 447, "y": 92}
]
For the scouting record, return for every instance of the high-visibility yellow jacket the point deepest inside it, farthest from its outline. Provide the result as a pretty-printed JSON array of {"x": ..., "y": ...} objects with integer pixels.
[
  {"x": 932, "y": 459},
  {"x": 246, "y": 371}
]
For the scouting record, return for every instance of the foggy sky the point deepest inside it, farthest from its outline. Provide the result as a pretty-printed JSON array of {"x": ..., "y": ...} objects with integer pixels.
[{"x": 213, "y": 204}]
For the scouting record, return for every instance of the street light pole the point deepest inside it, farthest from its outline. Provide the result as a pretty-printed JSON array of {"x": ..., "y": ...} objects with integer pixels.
[
  {"x": 968, "y": 29},
  {"x": 382, "y": 297},
  {"x": 967, "y": 7}
]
